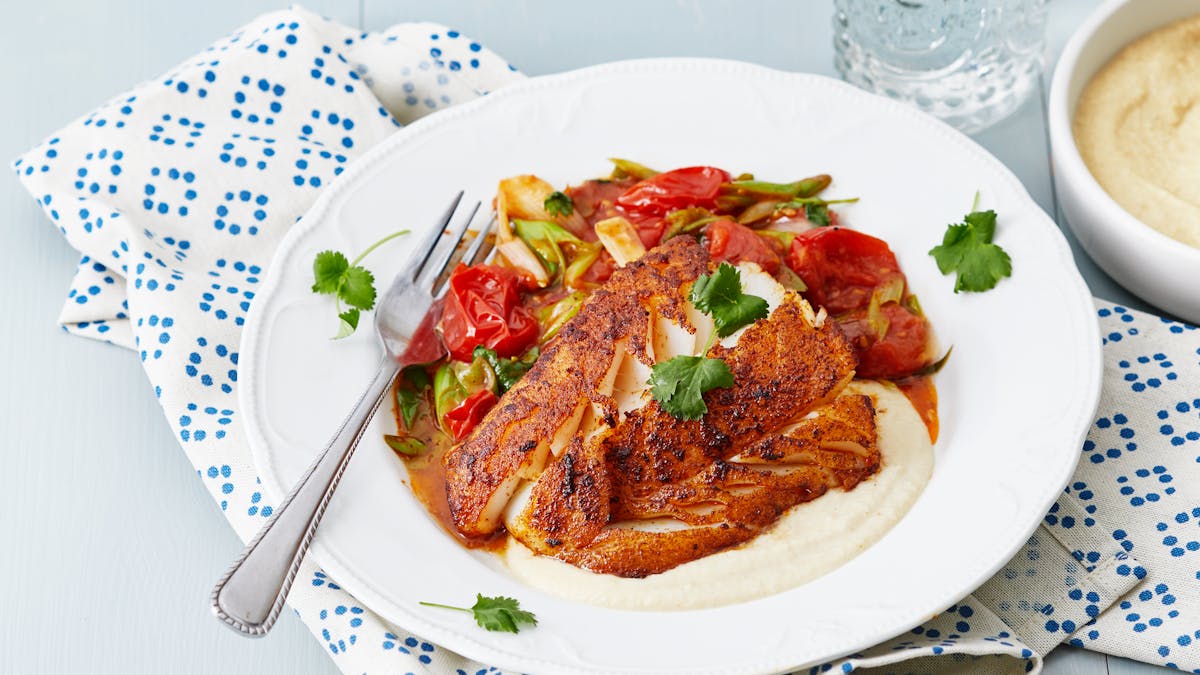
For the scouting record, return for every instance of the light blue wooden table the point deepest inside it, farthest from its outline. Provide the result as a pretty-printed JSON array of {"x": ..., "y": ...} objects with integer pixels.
[{"x": 110, "y": 544}]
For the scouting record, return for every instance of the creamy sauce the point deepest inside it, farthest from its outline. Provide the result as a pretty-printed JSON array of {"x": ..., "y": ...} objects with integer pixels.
[
  {"x": 809, "y": 541},
  {"x": 1137, "y": 127}
]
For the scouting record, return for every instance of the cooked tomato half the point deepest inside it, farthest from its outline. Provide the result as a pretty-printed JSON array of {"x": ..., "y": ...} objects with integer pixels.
[
  {"x": 841, "y": 267},
  {"x": 730, "y": 242},
  {"x": 661, "y": 194},
  {"x": 483, "y": 307},
  {"x": 903, "y": 350},
  {"x": 462, "y": 418}
]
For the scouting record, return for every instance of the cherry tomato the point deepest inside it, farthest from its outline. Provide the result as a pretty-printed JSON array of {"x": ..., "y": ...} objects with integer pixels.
[
  {"x": 596, "y": 200},
  {"x": 841, "y": 267},
  {"x": 903, "y": 350},
  {"x": 650, "y": 231},
  {"x": 729, "y": 241},
  {"x": 483, "y": 307},
  {"x": 462, "y": 418},
  {"x": 666, "y": 192}
]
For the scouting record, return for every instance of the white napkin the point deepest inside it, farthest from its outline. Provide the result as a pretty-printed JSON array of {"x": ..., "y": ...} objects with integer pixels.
[{"x": 177, "y": 192}]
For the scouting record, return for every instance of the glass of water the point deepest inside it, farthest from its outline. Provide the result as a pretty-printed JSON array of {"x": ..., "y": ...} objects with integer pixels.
[{"x": 969, "y": 62}]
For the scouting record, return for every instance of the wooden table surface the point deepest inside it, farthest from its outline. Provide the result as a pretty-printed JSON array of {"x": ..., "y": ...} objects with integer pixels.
[{"x": 110, "y": 544}]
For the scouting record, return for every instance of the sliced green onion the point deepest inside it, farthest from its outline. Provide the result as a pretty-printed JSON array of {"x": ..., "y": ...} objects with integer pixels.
[
  {"x": 876, "y": 321},
  {"x": 685, "y": 221},
  {"x": 448, "y": 392},
  {"x": 892, "y": 291},
  {"x": 559, "y": 250},
  {"x": 405, "y": 445},
  {"x": 780, "y": 236},
  {"x": 625, "y": 167},
  {"x": 935, "y": 367},
  {"x": 789, "y": 278},
  {"x": 552, "y": 317},
  {"x": 801, "y": 188},
  {"x": 508, "y": 371},
  {"x": 757, "y": 211},
  {"x": 801, "y": 202}
]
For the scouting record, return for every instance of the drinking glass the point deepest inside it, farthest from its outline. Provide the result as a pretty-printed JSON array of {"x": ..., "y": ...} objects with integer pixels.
[{"x": 969, "y": 62}]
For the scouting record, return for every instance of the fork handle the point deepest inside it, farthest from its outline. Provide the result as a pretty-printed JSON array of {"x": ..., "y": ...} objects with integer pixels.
[{"x": 250, "y": 596}]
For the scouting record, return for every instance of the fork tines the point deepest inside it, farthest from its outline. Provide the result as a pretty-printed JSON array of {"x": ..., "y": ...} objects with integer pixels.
[{"x": 443, "y": 241}]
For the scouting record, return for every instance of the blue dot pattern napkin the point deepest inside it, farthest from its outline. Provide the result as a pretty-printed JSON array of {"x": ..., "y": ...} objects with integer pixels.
[{"x": 177, "y": 192}]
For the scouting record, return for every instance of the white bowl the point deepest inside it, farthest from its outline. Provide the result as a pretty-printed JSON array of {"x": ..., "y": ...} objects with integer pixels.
[{"x": 1157, "y": 268}]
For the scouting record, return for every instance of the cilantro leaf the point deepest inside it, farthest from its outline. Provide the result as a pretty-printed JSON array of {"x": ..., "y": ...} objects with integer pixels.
[
  {"x": 348, "y": 323},
  {"x": 410, "y": 393},
  {"x": 817, "y": 214},
  {"x": 720, "y": 296},
  {"x": 967, "y": 249},
  {"x": 558, "y": 204},
  {"x": 495, "y": 614},
  {"x": 955, "y": 244},
  {"x": 358, "y": 288},
  {"x": 328, "y": 268},
  {"x": 984, "y": 223},
  {"x": 501, "y": 614},
  {"x": 983, "y": 268},
  {"x": 679, "y": 384},
  {"x": 348, "y": 282}
]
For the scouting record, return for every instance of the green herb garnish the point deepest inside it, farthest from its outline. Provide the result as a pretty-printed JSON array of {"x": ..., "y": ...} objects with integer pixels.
[
  {"x": 679, "y": 384},
  {"x": 817, "y": 214},
  {"x": 348, "y": 282},
  {"x": 720, "y": 296},
  {"x": 558, "y": 204},
  {"x": 495, "y": 614},
  {"x": 508, "y": 371},
  {"x": 624, "y": 168},
  {"x": 411, "y": 392},
  {"x": 967, "y": 249}
]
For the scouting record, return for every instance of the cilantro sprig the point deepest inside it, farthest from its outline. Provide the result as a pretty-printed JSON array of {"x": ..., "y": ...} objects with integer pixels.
[
  {"x": 348, "y": 282},
  {"x": 679, "y": 384},
  {"x": 495, "y": 614},
  {"x": 967, "y": 250},
  {"x": 558, "y": 204},
  {"x": 720, "y": 296}
]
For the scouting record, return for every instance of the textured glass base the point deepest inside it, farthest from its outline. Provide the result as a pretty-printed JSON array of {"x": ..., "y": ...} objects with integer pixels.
[{"x": 969, "y": 62}]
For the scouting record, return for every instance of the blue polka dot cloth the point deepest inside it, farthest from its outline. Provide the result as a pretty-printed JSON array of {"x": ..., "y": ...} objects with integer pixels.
[{"x": 177, "y": 192}]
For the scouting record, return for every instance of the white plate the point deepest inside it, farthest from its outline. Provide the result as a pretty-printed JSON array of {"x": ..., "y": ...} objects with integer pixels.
[{"x": 1016, "y": 398}]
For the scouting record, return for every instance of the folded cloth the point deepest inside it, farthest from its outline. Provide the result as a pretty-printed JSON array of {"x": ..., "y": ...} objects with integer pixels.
[{"x": 177, "y": 193}]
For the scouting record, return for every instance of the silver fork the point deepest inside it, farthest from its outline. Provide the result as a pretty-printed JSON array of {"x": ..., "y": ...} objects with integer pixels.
[{"x": 250, "y": 596}]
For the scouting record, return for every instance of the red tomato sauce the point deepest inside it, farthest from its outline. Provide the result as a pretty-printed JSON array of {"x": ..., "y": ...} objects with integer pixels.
[
  {"x": 923, "y": 396},
  {"x": 427, "y": 475}
]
